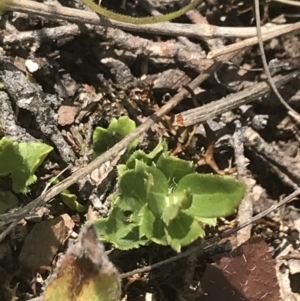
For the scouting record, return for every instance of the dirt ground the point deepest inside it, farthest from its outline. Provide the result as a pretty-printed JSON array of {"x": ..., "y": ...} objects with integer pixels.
[{"x": 81, "y": 75}]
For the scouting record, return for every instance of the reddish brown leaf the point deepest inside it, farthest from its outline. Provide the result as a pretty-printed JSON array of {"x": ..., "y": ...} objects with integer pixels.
[{"x": 246, "y": 274}]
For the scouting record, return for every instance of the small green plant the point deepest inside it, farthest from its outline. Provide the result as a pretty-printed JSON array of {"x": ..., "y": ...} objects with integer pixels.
[
  {"x": 104, "y": 139},
  {"x": 162, "y": 199},
  {"x": 20, "y": 160},
  {"x": 70, "y": 200}
]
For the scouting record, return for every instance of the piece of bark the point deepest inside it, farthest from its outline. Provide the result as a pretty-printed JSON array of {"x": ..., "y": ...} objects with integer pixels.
[
  {"x": 30, "y": 97},
  {"x": 8, "y": 122}
]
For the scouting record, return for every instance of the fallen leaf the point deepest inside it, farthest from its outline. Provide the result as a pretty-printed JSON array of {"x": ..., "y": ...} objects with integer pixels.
[
  {"x": 246, "y": 274},
  {"x": 42, "y": 243},
  {"x": 84, "y": 273}
]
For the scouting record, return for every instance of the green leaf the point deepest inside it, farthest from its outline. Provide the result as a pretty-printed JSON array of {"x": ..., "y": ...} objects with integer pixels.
[
  {"x": 7, "y": 201},
  {"x": 104, "y": 139},
  {"x": 114, "y": 221},
  {"x": 152, "y": 227},
  {"x": 12, "y": 162},
  {"x": 138, "y": 155},
  {"x": 161, "y": 148},
  {"x": 33, "y": 153},
  {"x": 126, "y": 238},
  {"x": 157, "y": 189},
  {"x": 170, "y": 213},
  {"x": 70, "y": 200},
  {"x": 121, "y": 168},
  {"x": 174, "y": 169},
  {"x": 175, "y": 203},
  {"x": 150, "y": 158},
  {"x": 182, "y": 231},
  {"x": 212, "y": 221},
  {"x": 21, "y": 160},
  {"x": 122, "y": 126},
  {"x": 213, "y": 196},
  {"x": 115, "y": 230},
  {"x": 124, "y": 203},
  {"x": 141, "y": 185},
  {"x": 133, "y": 191}
]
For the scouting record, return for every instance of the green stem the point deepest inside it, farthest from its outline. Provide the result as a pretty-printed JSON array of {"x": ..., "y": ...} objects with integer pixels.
[{"x": 139, "y": 21}]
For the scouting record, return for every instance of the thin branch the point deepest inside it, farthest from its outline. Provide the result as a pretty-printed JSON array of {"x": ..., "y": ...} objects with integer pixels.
[
  {"x": 291, "y": 111},
  {"x": 230, "y": 102},
  {"x": 245, "y": 210},
  {"x": 288, "y": 2},
  {"x": 198, "y": 31},
  {"x": 273, "y": 33}
]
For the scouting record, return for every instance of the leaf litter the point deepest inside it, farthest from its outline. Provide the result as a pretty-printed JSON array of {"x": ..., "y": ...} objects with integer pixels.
[{"x": 106, "y": 76}]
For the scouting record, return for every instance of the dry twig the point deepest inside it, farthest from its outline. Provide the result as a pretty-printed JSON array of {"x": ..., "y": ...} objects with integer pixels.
[
  {"x": 245, "y": 210},
  {"x": 274, "y": 32},
  {"x": 198, "y": 31},
  {"x": 288, "y": 2},
  {"x": 230, "y": 102},
  {"x": 291, "y": 111}
]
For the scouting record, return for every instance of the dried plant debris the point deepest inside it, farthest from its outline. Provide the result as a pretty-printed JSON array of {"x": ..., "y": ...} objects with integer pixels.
[
  {"x": 246, "y": 274},
  {"x": 85, "y": 272},
  {"x": 63, "y": 79}
]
